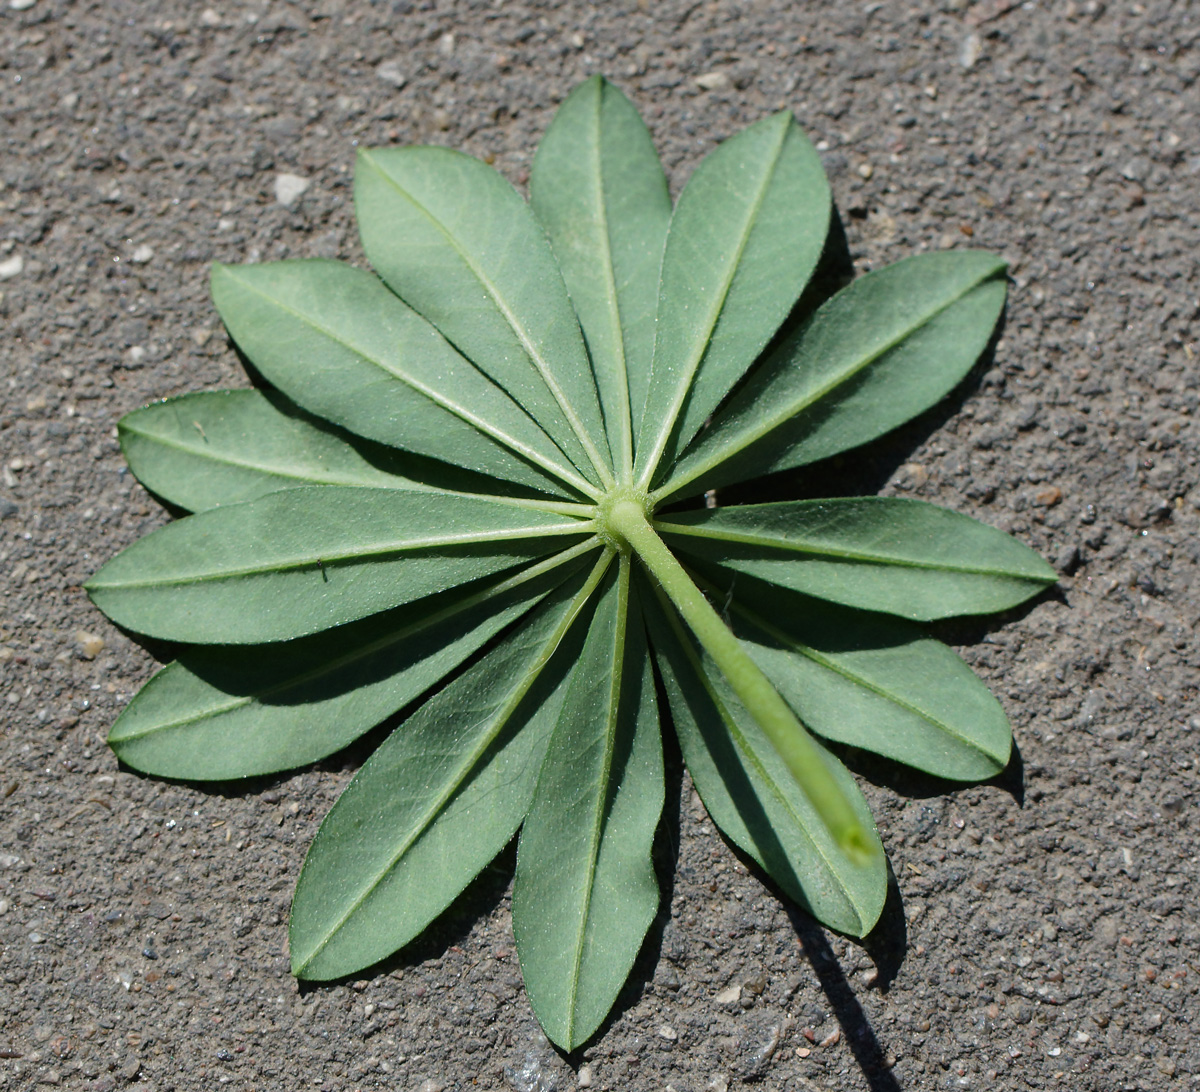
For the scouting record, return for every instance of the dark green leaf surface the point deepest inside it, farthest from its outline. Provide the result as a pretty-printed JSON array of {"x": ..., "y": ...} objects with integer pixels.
[
  {"x": 585, "y": 891},
  {"x": 211, "y": 448},
  {"x": 455, "y": 241},
  {"x": 435, "y": 803},
  {"x": 903, "y": 557},
  {"x": 303, "y": 560},
  {"x": 744, "y": 240},
  {"x": 599, "y": 190},
  {"x": 754, "y": 800},
  {"x": 873, "y": 682},
  {"x": 222, "y": 712},
  {"x": 338, "y": 343},
  {"x": 878, "y": 353}
]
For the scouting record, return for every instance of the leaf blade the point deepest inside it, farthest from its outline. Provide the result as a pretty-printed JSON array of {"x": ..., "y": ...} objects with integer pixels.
[
  {"x": 209, "y": 448},
  {"x": 899, "y": 556},
  {"x": 744, "y": 240},
  {"x": 338, "y": 343},
  {"x": 303, "y": 560},
  {"x": 476, "y": 264},
  {"x": 753, "y": 798},
  {"x": 218, "y": 713},
  {"x": 585, "y": 892},
  {"x": 385, "y": 862},
  {"x": 878, "y": 353},
  {"x": 598, "y": 188},
  {"x": 872, "y": 681}
]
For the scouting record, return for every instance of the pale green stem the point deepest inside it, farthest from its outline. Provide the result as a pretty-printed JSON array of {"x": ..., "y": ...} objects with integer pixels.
[{"x": 788, "y": 736}]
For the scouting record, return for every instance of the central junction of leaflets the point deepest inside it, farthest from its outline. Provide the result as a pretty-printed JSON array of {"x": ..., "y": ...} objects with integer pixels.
[{"x": 469, "y": 499}]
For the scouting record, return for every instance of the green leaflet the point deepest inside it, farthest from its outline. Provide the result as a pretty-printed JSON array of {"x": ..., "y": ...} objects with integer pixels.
[
  {"x": 872, "y": 681},
  {"x": 752, "y": 797},
  {"x": 878, "y": 353},
  {"x": 900, "y": 556},
  {"x": 745, "y": 238},
  {"x": 436, "y": 802},
  {"x": 598, "y": 188},
  {"x": 338, "y": 343},
  {"x": 299, "y": 561},
  {"x": 475, "y": 262},
  {"x": 585, "y": 891},
  {"x": 214, "y": 714},
  {"x": 211, "y": 448}
]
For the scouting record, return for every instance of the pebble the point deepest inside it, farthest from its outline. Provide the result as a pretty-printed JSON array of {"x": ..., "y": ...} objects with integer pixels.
[
  {"x": 667, "y": 1032},
  {"x": 729, "y": 996},
  {"x": 289, "y": 188},
  {"x": 142, "y": 254},
  {"x": 21, "y": 5},
  {"x": 585, "y": 1077},
  {"x": 865, "y": 170},
  {"x": 11, "y": 267},
  {"x": 430, "y": 1085},
  {"x": 968, "y": 52},
  {"x": 7, "y": 508},
  {"x": 389, "y": 72},
  {"x": 90, "y": 644},
  {"x": 713, "y": 81}
]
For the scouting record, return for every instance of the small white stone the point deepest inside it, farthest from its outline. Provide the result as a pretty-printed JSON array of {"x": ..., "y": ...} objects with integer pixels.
[
  {"x": 968, "y": 52},
  {"x": 225, "y": 224},
  {"x": 446, "y": 44},
  {"x": 210, "y": 18},
  {"x": 289, "y": 188},
  {"x": 667, "y": 1032},
  {"x": 865, "y": 170},
  {"x": 11, "y": 267},
  {"x": 137, "y": 353},
  {"x": 713, "y": 81},
  {"x": 585, "y": 1077},
  {"x": 21, "y": 5},
  {"x": 142, "y": 254},
  {"x": 390, "y": 72},
  {"x": 729, "y": 996}
]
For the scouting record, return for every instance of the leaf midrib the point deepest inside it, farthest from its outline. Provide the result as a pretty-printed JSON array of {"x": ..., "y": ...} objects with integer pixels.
[
  {"x": 747, "y": 538},
  {"x": 596, "y": 833},
  {"x": 433, "y": 543}
]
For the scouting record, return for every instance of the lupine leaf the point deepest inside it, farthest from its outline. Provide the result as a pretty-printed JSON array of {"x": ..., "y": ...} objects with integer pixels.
[{"x": 888, "y": 554}]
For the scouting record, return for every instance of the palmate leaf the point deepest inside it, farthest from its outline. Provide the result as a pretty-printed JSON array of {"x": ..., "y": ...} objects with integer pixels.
[{"x": 448, "y": 509}]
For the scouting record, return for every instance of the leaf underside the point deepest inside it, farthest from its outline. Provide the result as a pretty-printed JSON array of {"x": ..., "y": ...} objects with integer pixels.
[{"x": 415, "y": 522}]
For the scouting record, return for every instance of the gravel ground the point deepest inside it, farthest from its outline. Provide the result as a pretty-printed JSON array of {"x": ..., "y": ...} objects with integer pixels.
[{"x": 1042, "y": 932}]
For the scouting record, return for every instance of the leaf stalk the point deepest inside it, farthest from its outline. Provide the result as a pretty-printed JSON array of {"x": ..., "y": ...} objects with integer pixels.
[{"x": 787, "y": 735}]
